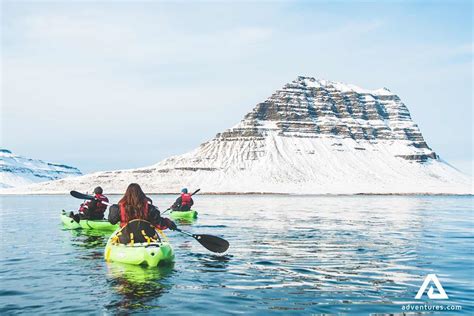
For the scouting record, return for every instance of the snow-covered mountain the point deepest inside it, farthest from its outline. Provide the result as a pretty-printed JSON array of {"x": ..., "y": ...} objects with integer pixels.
[
  {"x": 310, "y": 137},
  {"x": 19, "y": 171}
]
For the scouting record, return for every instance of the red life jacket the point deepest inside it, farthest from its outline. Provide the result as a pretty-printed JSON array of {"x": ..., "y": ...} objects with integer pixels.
[
  {"x": 185, "y": 199},
  {"x": 100, "y": 206},
  {"x": 123, "y": 215}
]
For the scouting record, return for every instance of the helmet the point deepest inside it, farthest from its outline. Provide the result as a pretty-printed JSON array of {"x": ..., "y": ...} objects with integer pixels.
[
  {"x": 184, "y": 190},
  {"x": 98, "y": 190}
]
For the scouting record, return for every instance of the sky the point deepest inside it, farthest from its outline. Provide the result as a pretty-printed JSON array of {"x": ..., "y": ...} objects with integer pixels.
[{"x": 110, "y": 85}]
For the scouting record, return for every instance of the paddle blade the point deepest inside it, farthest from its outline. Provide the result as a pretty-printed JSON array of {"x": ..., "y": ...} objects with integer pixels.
[
  {"x": 212, "y": 243},
  {"x": 81, "y": 196}
]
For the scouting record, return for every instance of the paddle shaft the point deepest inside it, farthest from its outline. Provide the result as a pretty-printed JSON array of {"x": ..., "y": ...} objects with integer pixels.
[
  {"x": 83, "y": 196},
  {"x": 185, "y": 233}
]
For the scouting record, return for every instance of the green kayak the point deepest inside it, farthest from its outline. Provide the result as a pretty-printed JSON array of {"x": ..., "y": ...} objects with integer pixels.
[
  {"x": 150, "y": 254},
  {"x": 184, "y": 214},
  {"x": 69, "y": 223}
]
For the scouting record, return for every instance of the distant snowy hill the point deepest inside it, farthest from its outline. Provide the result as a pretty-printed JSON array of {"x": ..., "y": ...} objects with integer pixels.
[
  {"x": 310, "y": 137},
  {"x": 18, "y": 171}
]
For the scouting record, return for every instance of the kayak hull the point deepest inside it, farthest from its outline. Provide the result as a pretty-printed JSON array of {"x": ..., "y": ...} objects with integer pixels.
[
  {"x": 189, "y": 215},
  {"x": 150, "y": 255},
  {"x": 102, "y": 225}
]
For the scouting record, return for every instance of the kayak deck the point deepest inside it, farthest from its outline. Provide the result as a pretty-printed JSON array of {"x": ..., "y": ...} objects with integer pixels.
[
  {"x": 150, "y": 254},
  {"x": 191, "y": 214},
  {"x": 70, "y": 223}
]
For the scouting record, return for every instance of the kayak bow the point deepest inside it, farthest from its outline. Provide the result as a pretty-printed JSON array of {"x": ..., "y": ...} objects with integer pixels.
[{"x": 102, "y": 225}]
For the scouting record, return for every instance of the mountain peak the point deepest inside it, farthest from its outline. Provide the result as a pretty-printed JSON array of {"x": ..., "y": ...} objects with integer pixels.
[
  {"x": 312, "y": 82},
  {"x": 318, "y": 108}
]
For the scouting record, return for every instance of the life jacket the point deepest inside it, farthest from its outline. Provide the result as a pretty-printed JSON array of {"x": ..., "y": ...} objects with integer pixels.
[
  {"x": 99, "y": 209},
  {"x": 100, "y": 206},
  {"x": 185, "y": 199},
  {"x": 123, "y": 215}
]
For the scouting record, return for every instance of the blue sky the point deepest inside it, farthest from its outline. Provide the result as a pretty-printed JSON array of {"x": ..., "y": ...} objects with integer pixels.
[{"x": 109, "y": 85}]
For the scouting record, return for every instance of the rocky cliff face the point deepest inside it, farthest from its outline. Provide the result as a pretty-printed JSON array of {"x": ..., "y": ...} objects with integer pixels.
[
  {"x": 311, "y": 137},
  {"x": 323, "y": 109},
  {"x": 18, "y": 171}
]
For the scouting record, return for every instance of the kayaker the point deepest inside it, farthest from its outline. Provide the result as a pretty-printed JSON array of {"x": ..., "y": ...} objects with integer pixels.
[
  {"x": 184, "y": 202},
  {"x": 135, "y": 205},
  {"x": 93, "y": 209}
]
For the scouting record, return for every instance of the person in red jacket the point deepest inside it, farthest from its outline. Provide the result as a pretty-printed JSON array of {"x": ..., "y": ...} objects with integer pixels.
[
  {"x": 184, "y": 202},
  {"x": 135, "y": 205},
  {"x": 93, "y": 209}
]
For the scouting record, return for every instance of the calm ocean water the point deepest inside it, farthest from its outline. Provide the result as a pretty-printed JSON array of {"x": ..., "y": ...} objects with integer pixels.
[{"x": 308, "y": 255}]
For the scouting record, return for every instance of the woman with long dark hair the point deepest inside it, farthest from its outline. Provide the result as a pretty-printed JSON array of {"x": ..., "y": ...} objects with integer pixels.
[{"x": 135, "y": 205}]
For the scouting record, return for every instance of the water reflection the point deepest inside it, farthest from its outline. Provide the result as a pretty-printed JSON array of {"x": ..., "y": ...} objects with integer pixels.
[
  {"x": 89, "y": 244},
  {"x": 213, "y": 263},
  {"x": 137, "y": 285},
  {"x": 185, "y": 222},
  {"x": 89, "y": 239}
]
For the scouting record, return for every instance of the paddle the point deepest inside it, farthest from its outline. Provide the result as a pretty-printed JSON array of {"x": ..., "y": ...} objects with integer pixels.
[
  {"x": 211, "y": 243},
  {"x": 169, "y": 208},
  {"x": 83, "y": 196},
  {"x": 195, "y": 192}
]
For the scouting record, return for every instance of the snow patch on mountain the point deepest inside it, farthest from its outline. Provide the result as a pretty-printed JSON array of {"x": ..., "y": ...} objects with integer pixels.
[{"x": 18, "y": 171}]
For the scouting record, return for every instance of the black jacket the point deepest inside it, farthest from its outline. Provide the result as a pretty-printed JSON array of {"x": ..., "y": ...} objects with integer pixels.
[{"x": 153, "y": 215}]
